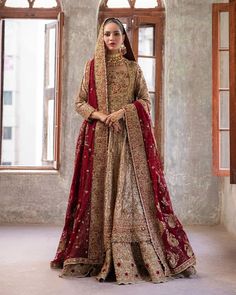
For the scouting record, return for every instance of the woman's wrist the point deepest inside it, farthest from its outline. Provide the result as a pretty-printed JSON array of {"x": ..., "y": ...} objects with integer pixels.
[{"x": 95, "y": 115}]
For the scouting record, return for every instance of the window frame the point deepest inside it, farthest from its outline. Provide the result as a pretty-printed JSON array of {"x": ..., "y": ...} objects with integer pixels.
[
  {"x": 232, "y": 68},
  {"x": 140, "y": 16},
  {"x": 217, "y": 8},
  {"x": 37, "y": 13}
]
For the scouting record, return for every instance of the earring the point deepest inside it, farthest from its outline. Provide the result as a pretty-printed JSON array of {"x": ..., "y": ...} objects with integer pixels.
[{"x": 123, "y": 49}]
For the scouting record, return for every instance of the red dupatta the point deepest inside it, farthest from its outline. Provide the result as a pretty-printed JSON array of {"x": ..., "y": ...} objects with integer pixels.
[
  {"x": 77, "y": 218},
  {"x": 175, "y": 241}
]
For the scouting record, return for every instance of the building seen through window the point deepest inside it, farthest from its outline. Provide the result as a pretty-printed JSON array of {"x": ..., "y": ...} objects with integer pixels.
[{"x": 30, "y": 86}]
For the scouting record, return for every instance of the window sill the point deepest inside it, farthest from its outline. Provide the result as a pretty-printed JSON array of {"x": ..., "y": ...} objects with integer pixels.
[{"x": 9, "y": 171}]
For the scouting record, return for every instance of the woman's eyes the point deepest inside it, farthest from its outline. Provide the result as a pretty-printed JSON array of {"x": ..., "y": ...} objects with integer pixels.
[{"x": 109, "y": 34}]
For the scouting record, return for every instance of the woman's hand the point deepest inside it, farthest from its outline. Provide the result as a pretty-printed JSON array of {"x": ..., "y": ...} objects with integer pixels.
[
  {"x": 98, "y": 116},
  {"x": 114, "y": 117},
  {"x": 116, "y": 126}
]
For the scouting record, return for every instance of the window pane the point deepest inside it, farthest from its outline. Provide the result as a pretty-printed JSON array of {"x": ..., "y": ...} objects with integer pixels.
[
  {"x": 146, "y": 41},
  {"x": 148, "y": 66},
  {"x": 152, "y": 98},
  {"x": 50, "y": 130},
  {"x": 224, "y": 109},
  {"x": 118, "y": 4},
  {"x": 224, "y": 150},
  {"x": 6, "y": 163},
  {"x": 32, "y": 80},
  {"x": 37, "y": 3},
  {"x": 224, "y": 29},
  {"x": 7, "y": 97},
  {"x": 51, "y": 57},
  {"x": 7, "y": 132},
  {"x": 17, "y": 3},
  {"x": 146, "y": 3},
  {"x": 8, "y": 62},
  {"x": 224, "y": 69},
  {"x": 45, "y": 3}
]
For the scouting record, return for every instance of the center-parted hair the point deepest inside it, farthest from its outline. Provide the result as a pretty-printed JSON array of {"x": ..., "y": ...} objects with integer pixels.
[{"x": 115, "y": 21}]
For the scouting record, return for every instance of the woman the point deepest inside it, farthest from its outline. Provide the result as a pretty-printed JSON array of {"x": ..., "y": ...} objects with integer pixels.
[{"x": 119, "y": 219}]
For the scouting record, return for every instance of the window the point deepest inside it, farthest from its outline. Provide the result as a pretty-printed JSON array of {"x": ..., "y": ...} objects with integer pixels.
[
  {"x": 31, "y": 51},
  {"x": 7, "y": 132},
  {"x": 223, "y": 102},
  {"x": 7, "y": 97},
  {"x": 7, "y": 163},
  {"x": 144, "y": 23}
]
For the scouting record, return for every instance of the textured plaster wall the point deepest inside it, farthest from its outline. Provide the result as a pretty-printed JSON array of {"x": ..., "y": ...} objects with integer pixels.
[
  {"x": 188, "y": 111},
  {"x": 42, "y": 198},
  {"x": 228, "y": 197}
]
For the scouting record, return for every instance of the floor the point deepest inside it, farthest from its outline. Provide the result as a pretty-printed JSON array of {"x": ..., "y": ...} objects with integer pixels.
[{"x": 27, "y": 250}]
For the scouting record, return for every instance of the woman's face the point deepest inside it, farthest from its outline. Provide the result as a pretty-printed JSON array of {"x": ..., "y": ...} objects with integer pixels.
[{"x": 113, "y": 37}]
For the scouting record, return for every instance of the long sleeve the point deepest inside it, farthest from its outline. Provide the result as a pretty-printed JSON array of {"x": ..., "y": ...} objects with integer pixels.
[
  {"x": 141, "y": 90},
  {"x": 81, "y": 104}
]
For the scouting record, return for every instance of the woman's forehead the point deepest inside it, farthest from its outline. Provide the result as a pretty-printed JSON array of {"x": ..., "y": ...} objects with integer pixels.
[{"x": 111, "y": 27}]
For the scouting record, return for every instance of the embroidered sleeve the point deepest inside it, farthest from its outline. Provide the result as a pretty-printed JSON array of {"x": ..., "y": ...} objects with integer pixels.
[
  {"x": 141, "y": 90},
  {"x": 81, "y": 104}
]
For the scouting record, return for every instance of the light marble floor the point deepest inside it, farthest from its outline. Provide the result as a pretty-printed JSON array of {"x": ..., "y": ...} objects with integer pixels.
[{"x": 25, "y": 252}]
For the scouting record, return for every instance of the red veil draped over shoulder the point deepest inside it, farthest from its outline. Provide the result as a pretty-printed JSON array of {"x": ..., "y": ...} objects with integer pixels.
[{"x": 81, "y": 241}]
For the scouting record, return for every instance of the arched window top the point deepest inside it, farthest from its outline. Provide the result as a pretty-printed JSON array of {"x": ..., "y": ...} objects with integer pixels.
[
  {"x": 30, "y": 4},
  {"x": 46, "y": 9},
  {"x": 132, "y": 4}
]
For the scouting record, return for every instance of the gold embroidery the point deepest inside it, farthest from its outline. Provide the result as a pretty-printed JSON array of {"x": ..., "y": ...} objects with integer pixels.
[
  {"x": 100, "y": 73},
  {"x": 173, "y": 259},
  {"x": 145, "y": 188},
  {"x": 188, "y": 250},
  {"x": 81, "y": 104},
  {"x": 124, "y": 230},
  {"x": 114, "y": 60},
  {"x": 132, "y": 262},
  {"x": 123, "y": 213},
  {"x": 96, "y": 246},
  {"x": 172, "y": 240},
  {"x": 171, "y": 221}
]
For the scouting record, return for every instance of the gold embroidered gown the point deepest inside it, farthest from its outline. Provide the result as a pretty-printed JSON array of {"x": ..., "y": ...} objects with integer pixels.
[
  {"x": 127, "y": 244},
  {"x": 119, "y": 219},
  {"x": 125, "y": 235},
  {"x": 125, "y": 230}
]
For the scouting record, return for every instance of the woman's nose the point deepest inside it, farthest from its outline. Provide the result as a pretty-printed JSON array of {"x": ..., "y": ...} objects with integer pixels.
[{"x": 111, "y": 36}]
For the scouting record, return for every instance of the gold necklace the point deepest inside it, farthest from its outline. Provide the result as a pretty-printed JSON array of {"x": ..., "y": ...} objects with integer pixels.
[{"x": 114, "y": 59}]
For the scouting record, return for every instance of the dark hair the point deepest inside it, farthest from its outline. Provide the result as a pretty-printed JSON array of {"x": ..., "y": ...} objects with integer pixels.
[{"x": 116, "y": 21}]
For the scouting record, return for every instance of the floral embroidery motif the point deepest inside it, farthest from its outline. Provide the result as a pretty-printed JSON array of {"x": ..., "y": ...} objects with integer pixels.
[
  {"x": 172, "y": 258},
  {"x": 171, "y": 221},
  {"x": 172, "y": 240},
  {"x": 188, "y": 250}
]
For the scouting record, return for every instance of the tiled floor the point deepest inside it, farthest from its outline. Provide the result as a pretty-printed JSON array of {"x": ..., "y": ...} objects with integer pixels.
[{"x": 25, "y": 252}]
